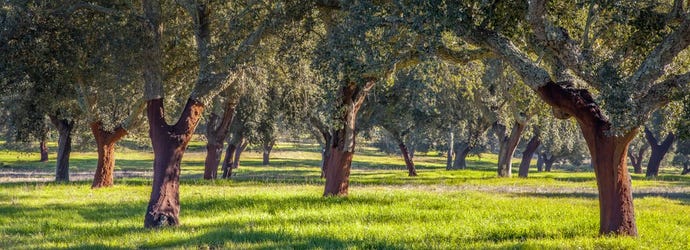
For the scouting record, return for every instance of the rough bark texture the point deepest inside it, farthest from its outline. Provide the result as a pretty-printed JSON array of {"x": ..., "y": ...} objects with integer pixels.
[
  {"x": 338, "y": 173},
  {"x": 451, "y": 151},
  {"x": 213, "y": 154},
  {"x": 461, "y": 152},
  {"x": 216, "y": 132},
  {"x": 44, "y": 150},
  {"x": 169, "y": 144},
  {"x": 527, "y": 154},
  {"x": 267, "y": 153},
  {"x": 238, "y": 153},
  {"x": 105, "y": 142},
  {"x": 508, "y": 144},
  {"x": 608, "y": 153},
  {"x": 636, "y": 158},
  {"x": 408, "y": 160},
  {"x": 342, "y": 146},
  {"x": 229, "y": 160},
  {"x": 659, "y": 150},
  {"x": 64, "y": 128}
]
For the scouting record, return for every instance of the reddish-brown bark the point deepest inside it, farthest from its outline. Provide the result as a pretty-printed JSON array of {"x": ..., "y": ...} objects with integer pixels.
[
  {"x": 659, "y": 150},
  {"x": 342, "y": 146},
  {"x": 216, "y": 132},
  {"x": 213, "y": 154},
  {"x": 408, "y": 160},
  {"x": 44, "y": 150},
  {"x": 338, "y": 173},
  {"x": 105, "y": 142},
  {"x": 527, "y": 154},
  {"x": 169, "y": 144},
  {"x": 608, "y": 153},
  {"x": 64, "y": 128}
]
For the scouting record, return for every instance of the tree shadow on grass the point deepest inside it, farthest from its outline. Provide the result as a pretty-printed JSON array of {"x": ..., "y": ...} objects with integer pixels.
[
  {"x": 576, "y": 179},
  {"x": 81, "y": 165},
  {"x": 680, "y": 195},
  {"x": 222, "y": 234}
]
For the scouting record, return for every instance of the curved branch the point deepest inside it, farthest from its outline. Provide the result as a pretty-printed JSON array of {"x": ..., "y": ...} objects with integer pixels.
[
  {"x": 650, "y": 137},
  {"x": 656, "y": 63},
  {"x": 672, "y": 89},
  {"x": 462, "y": 57},
  {"x": 533, "y": 75},
  {"x": 560, "y": 43}
]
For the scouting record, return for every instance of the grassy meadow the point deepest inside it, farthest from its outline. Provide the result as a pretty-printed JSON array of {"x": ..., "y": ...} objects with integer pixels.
[{"x": 280, "y": 206}]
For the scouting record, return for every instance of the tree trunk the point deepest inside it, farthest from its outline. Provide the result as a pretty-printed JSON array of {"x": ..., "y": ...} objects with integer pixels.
[
  {"x": 686, "y": 169},
  {"x": 238, "y": 152},
  {"x": 527, "y": 154},
  {"x": 343, "y": 140},
  {"x": 548, "y": 162},
  {"x": 214, "y": 151},
  {"x": 325, "y": 153},
  {"x": 338, "y": 172},
  {"x": 169, "y": 144},
  {"x": 608, "y": 153},
  {"x": 44, "y": 150},
  {"x": 64, "y": 128},
  {"x": 412, "y": 151},
  {"x": 105, "y": 142},
  {"x": 229, "y": 160},
  {"x": 461, "y": 152},
  {"x": 451, "y": 151},
  {"x": 636, "y": 158},
  {"x": 216, "y": 132},
  {"x": 540, "y": 162},
  {"x": 267, "y": 153},
  {"x": 508, "y": 144},
  {"x": 658, "y": 152},
  {"x": 408, "y": 160}
]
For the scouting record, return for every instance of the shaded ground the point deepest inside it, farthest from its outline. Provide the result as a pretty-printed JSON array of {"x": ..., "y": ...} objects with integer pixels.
[
  {"x": 681, "y": 193},
  {"x": 14, "y": 175}
]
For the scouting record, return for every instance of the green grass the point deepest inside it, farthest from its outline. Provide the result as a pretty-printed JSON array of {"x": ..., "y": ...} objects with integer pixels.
[{"x": 280, "y": 206}]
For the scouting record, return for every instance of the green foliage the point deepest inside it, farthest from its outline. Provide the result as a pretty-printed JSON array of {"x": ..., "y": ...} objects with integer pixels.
[{"x": 562, "y": 139}]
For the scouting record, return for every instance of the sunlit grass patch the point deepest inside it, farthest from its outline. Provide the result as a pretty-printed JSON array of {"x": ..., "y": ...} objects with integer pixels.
[{"x": 280, "y": 206}]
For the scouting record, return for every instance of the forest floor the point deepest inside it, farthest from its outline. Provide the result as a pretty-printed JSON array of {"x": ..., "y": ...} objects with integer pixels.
[{"x": 280, "y": 206}]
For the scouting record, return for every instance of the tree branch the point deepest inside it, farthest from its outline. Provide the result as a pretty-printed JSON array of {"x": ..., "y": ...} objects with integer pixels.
[
  {"x": 560, "y": 43},
  {"x": 673, "y": 88},
  {"x": 462, "y": 57},
  {"x": 363, "y": 92},
  {"x": 97, "y": 8},
  {"x": 533, "y": 75},
  {"x": 656, "y": 63},
  {"x": 650, "y": 137},
  {"x": 136, "y": 117}
]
